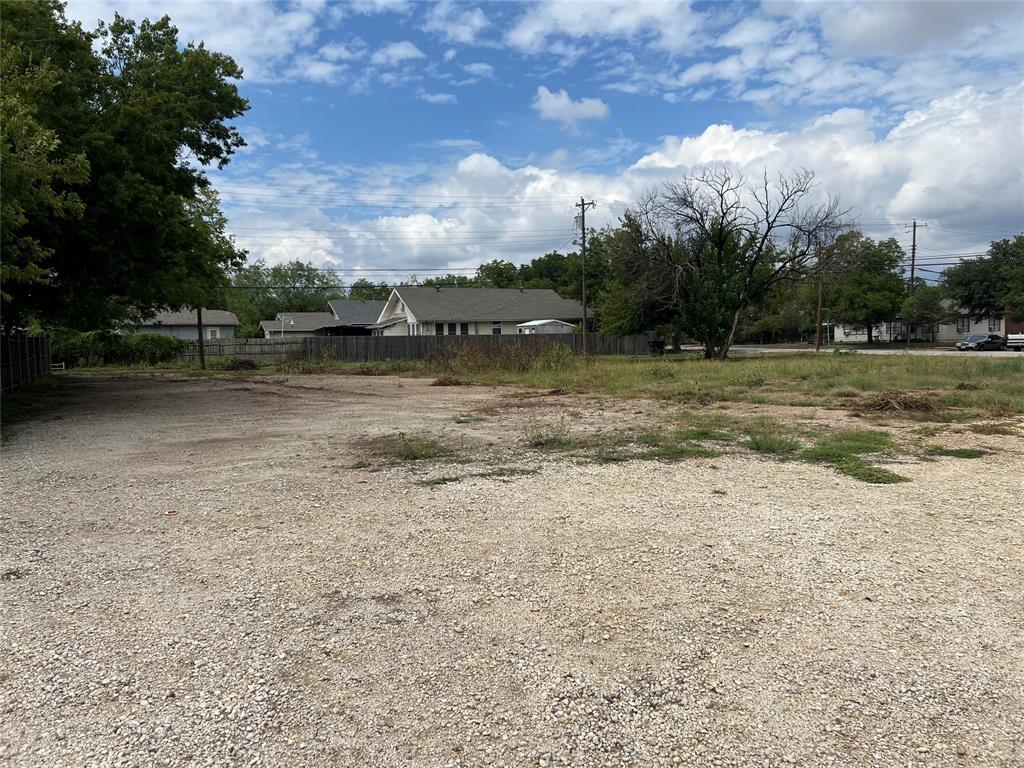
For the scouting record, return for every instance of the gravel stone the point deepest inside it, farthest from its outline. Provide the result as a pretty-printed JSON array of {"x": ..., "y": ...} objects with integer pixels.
[{"x": 304, "y": 608}]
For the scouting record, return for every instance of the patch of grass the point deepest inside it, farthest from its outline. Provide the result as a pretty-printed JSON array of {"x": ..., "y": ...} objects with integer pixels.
[
  {"x": 835, "y": 447},
  {"x": 403, "y": 447},
  {"x": 868, "y": 473},
  {"x": 679, "y": 451},
  {"x": 704, "y": 433},
  {"x": 607, "y": 455},
  {"x": 651, "y": 439},
  {"x": 773, "y": 444},
  {"x": 959, "y": 453}
]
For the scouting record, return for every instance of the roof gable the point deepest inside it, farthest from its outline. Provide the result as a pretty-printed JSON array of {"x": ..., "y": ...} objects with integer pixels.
[
  {"x": 356, "y": 311},
  {"x": 442, "y": 303},
  {"x": 210, "y": 317}
]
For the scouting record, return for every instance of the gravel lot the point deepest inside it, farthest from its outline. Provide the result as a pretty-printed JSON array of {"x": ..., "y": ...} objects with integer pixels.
[{"x": 298, "y": 611}]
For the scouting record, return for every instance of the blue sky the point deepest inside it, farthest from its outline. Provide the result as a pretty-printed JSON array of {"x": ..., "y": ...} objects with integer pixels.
[{"x": 407, "y": 137}]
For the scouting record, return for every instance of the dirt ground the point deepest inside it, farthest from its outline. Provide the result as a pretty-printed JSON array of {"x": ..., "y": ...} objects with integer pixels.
[{"x": 306, "y": 606}]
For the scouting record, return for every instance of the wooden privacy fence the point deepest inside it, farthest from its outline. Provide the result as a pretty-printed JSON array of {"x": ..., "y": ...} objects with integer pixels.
[
  {"x": 260, "y": 350},
  {"x": 361, "y": 349},
  {"x": 24, "y": 358}
]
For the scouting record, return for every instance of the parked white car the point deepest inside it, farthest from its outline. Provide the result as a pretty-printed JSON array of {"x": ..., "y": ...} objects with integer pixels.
[{"x": 1015, "y": 341}]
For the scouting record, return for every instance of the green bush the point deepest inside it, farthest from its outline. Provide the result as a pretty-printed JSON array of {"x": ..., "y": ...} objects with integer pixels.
[{"x": 108, "y": 348}]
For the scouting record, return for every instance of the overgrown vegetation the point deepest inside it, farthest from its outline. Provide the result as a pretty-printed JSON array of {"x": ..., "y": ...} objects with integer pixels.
[{"x": 97, "y": 348}]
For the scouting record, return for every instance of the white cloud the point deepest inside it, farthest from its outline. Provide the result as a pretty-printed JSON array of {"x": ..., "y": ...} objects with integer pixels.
[
  {"x": 456, "y": 23},
  {"x": 370, "y": 7},
  {"x": 903, "y": 28},
  {"x": 260, "y": 35},
  {"x": 338, "y": 51},
  {"x": 558, "y": 105},
  {"x": 479, "y": 69},
  {"x": 669, "y": 25},
  {"x": 450, "y": 53},
  {"x": 395, "y": 53},
  {"x": 436, "y": 98}
]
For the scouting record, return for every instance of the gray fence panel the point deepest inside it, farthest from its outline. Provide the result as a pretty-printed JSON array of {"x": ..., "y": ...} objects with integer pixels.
[{"x": 23, "y": 359}]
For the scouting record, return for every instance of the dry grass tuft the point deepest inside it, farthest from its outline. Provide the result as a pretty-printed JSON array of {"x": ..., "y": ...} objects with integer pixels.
[
  {"x": 898, "y": 401},
  {"x": 449, "y": 381},
  {"x": 993, "y": 429}
]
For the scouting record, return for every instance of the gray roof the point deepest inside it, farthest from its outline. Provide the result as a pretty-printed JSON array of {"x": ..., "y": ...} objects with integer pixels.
[
  {"x": 304, "y": 321},
  {"x": 430, "y": 303},
  {"x": 210, "y": 317},
  {"x": 357, "y": 311}
]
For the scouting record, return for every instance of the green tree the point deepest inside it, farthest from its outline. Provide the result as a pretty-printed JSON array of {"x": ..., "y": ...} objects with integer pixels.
[
  {"x": 259, "y": 291},
  {"x": 864, "y": 286},
  {"x": 924, "y": 308},
  {"x": 498, "y": 274},
  {"x": 147, "y": 114},
  {"x": 366, "y": 290},
  {"x": 698, "y": 254},
  {"x": 990, "y": 286}
]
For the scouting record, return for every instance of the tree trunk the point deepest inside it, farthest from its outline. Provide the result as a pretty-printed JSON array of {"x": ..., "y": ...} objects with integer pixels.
[
  {"x": 724, "y": 351},
  {"x": 870, "y": 339}
]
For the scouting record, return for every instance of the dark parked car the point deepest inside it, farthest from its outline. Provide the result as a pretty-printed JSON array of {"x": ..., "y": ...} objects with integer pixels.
[{"x": 979, "y": 342}]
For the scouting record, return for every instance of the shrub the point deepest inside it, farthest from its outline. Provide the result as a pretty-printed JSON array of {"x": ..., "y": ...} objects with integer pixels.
[{"x": 110, "y": 348}]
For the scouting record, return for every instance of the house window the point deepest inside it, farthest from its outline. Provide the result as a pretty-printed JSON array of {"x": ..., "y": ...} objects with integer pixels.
[
  {"x": 439, "y": 329},
  {"x": 464, "y": 329},
  {"x": 963, "y": 325},
  {"x": 213, "y": 333},
  {"x": 451, "y": 329},
  {"x": 496, "y": 327},
  {"x": 993, "y": 324}
]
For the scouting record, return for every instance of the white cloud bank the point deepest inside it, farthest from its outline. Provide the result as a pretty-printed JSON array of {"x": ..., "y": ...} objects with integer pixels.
[{"x": 958, "y": 163}]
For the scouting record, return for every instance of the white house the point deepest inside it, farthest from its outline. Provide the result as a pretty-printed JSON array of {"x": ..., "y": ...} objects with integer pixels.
[
  {"x": 217, "y": 324},
  {"x": 424, "y": 310},
  {"x": 943, "y": 332}
]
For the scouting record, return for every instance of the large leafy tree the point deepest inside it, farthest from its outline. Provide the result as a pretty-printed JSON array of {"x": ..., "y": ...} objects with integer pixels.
[
  {"x": 147, "y": 115},
  {"x": 259, "y": 291},
  {"x": 864, "y": 284},
  {"x": 31, "y": 171},
  {"x": 993, "y": 285},
  {"x": 697, "y": 254}
]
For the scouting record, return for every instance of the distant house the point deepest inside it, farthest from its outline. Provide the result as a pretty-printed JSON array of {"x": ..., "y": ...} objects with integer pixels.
[
  {"x": 217, "y": 324},
  {"x": 544, "y": 326},
  {"x": 296, "y": 325},
  {"x": 446, "y": 311},
  {"x": 345, "y": 317}
]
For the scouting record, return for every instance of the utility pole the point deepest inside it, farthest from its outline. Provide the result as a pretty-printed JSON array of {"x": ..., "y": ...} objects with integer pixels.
[
  {"x": 583, "y": 205},
  {"x": 202, "y": 346},
  {"x": 913, "y": 260},
  {"x": 821, "y": 296}
]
